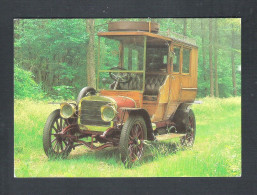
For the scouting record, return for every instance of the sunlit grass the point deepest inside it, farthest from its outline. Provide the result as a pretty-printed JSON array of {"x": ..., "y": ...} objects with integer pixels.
[{"x": 216, "y": 153}]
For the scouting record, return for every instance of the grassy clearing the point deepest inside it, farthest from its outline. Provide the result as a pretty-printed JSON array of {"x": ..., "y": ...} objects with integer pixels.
[{"x": 216, "y": 153}]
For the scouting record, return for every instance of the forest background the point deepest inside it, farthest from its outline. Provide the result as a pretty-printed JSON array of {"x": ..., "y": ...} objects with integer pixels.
[{"x": 53, "y": 56}]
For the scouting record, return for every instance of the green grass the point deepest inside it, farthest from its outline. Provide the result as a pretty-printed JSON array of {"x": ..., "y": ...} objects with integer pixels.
[{"x": 216, "y": 153}]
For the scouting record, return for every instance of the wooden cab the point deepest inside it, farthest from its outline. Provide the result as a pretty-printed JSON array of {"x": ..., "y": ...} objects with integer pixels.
[
  {"x": 180, "y": 85},
  {"x": 169, "y": 71}
]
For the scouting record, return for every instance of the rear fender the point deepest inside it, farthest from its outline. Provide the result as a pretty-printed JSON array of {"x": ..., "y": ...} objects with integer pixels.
[
  {"x": 145, "y": 115},
  {"x": 181, "y": 116}
]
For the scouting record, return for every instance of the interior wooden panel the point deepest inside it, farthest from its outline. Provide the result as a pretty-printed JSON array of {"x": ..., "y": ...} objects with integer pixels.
[
  {"x": 170, "y": 110},
  {"x": 164, "y": 91},
  {"x": 175, "y": 88},
  {"x": 158, "y": 115}
]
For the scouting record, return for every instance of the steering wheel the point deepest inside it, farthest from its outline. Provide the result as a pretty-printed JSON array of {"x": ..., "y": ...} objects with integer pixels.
[{"x": 120, "y": 77}]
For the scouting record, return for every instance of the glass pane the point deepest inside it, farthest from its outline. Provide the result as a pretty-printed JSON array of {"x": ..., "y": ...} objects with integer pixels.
[
  {"x": 119, "y": 56},
  {"x": 186, "y": 59},
  {"x": 176, "y": 59},
  {"x": 109, "y": 53},
  {"x": 116, "y": 48},
  {"x": 133, "y": 53},
  {"x": 156, "y": 59}
]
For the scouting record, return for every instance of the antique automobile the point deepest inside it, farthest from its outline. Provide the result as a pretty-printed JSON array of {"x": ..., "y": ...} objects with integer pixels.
[{"x": 146, "y": 83}]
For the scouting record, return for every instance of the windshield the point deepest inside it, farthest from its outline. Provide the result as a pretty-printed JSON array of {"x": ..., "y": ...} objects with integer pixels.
[{"x": 121, "y": 63}]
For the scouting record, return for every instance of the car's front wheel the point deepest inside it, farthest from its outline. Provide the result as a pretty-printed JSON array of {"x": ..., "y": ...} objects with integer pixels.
[
  {"x": 54, "y": 145},
  {"x": 133, "y": 134}
]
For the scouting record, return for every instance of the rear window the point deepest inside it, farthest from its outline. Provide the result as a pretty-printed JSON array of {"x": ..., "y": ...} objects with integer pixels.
[
  {"x": 186, "y": 60},
  {"x": 176, "y": 59}
]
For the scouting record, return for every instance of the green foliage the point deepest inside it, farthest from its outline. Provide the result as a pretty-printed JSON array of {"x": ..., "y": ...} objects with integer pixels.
[
  {"x": 25, "y": 86},
  {"x": 216, "y": 152},
  {"x": 54, "y": 50},
  {"x": 63, "y": 92}
]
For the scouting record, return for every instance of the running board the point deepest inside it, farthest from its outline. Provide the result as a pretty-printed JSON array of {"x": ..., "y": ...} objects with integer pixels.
[{"x": 168, "y": 136}]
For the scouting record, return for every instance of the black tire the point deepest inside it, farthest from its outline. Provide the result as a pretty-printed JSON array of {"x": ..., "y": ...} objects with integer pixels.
[
  {"x": 189, "y": 139},
  {"x": 85, "y": 92},
  {"x": 54, "y": 124},
  {"x": 131, "y": 145}
]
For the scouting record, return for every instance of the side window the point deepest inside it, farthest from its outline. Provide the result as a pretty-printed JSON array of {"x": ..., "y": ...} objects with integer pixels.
[
  {"x": 176, "y": 59},
  {"x": 135, "y": 60},
  {"x": 186, "y": 60},
  {"x": 156, "y": 59},
  {"x": 133, "y": 57},
  {"x": 165, "y": 59}
]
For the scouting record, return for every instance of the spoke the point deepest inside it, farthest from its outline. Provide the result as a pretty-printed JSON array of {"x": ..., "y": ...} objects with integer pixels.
[
  {"x": 66, "y": 122},
  {"x": 61, "y": 146},
  {"x": 140, "y": 153},
  {"x": 54, "y": 128},
  {"x": 65, "y": 143},
  {"x": 53, "y": 140},
  {"x": 61, "y": 123},
  {"x": 135, "y": 154},
  {"x": 58, "y": 147},
  {"x": 136, "y": 130},
  {"x": 58, "y": 127},
  {"x": 130, "y": 142},
  {"x": 139, "y": 133},
  {"x": 55, "y": 145},
  {"x": 140, "y": 146},
  {"x": 136, "y": 151},
  {"x": 133, "y": 132},
  {"x": 130, "y": 150}
]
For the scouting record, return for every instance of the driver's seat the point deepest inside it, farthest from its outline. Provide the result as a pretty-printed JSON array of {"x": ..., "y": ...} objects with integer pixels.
[{"x": 135, "y": 83}]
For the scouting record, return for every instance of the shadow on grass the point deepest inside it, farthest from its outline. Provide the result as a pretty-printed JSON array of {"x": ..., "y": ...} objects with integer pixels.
[
  {"x": 152, "y": 151},
  {"x": 107, "y": 153}
]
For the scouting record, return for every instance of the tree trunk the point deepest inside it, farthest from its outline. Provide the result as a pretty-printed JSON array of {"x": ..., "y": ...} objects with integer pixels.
[
  {"x": 233, "y": 62},
  {"x": 185, "y": 27},
  {"x": 91, "y": 81},
  {"x": 210, "y": 58},
  {"x": 204, "y": 58},
  {"x": 216, "y": 59}
]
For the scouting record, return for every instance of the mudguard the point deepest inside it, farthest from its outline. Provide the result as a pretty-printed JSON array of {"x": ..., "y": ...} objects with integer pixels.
[{"x": 144, "y": 113}]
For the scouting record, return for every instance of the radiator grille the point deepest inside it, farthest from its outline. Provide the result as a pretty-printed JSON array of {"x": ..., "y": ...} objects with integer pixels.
[{"x": 91, "y": 113}]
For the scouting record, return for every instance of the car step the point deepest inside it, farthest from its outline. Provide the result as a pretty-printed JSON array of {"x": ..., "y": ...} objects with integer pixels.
[{"x": 168, "y": 136}]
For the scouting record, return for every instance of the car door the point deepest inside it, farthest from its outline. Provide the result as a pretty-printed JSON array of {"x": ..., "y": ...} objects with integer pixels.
[{"x": 175, "y": 82}]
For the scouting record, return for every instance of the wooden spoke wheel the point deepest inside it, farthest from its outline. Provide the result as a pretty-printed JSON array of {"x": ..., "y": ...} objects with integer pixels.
[
  {"x": 133, "y": 134},
  {"x": 54, "y": 145},
  {"x": 189, "y": 138}
]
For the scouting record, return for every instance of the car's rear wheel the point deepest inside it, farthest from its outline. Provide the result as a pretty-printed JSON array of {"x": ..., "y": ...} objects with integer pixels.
[
  {"x": 54, "y": 145},
  {"x": 189, "y": 138},
  {"x": 133, "y": 134}
]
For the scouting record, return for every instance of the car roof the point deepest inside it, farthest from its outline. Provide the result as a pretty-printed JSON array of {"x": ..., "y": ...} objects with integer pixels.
[{"x": 155, "y": 39}]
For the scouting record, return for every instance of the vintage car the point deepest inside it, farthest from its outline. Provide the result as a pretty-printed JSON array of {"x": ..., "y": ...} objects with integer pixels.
[{"x": 146, "y": 83}]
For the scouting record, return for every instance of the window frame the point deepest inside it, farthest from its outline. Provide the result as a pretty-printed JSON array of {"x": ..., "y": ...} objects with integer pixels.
[
  {"x": 172, "y": 67},
  {"x": 190, "y": 61}
]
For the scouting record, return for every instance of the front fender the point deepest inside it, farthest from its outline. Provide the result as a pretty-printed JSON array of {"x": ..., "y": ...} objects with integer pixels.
[{"x": 144, "y": 113}]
